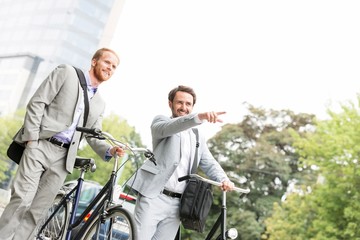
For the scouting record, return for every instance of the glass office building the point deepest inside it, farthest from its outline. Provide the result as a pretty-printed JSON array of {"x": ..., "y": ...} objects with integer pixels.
[{"x": 37, "y": 35}]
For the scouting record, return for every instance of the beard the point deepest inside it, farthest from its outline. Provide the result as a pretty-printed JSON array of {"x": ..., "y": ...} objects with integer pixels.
[
  {"x": 178, "y": 113},
  {"x": 100, "y": 75}
]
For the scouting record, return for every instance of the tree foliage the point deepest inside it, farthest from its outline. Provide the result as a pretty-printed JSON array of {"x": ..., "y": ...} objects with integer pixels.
[
  {"x": 9, "y": 124},
  {"x": 258, "y": 153},
  {"x": 331, "y": 209}
]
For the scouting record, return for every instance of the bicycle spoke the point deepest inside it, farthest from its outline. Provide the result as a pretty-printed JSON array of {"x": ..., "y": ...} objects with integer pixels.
[
  {"x": 117, "y": 225},
  {"x": 55, "y": 228}
]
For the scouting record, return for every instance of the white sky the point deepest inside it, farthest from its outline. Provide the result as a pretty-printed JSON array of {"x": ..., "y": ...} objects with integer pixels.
[{"x": 297, "y": 55}]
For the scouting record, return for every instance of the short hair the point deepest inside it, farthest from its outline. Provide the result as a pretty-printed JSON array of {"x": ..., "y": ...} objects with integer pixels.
[
  {"x": 182, "y": 88},
  {"x": 100, "y": 52}
]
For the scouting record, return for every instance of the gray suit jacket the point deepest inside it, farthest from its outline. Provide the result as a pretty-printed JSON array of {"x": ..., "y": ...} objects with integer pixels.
[
  {"x": 150, "y": 180},
  {"x": 51, "y": 110}
]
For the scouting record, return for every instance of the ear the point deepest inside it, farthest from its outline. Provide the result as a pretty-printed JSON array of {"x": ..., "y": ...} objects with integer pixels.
[
  {"x": 170, "y": 104},
  {"x": 93, "y": 62}
]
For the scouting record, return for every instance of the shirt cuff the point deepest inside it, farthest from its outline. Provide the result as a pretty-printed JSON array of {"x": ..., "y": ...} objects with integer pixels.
[
  {"x": 108, "y": 156},
  {"x": 197, "y": 119}
]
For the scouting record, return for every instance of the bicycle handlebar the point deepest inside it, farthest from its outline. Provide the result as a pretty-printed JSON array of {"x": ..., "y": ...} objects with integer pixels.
[
  {"x": 97, "y": 133},
  {"x": 92, "y": 131},
  {"x": 237, "y": 189}
]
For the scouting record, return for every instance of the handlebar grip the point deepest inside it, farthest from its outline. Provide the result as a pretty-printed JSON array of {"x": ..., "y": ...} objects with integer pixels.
[
  {"x": 180, "y": 179},
  {"x": 92, "y": 131}
]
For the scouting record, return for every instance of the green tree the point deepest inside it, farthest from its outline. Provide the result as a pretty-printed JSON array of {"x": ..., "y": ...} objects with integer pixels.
[
  {"x": 289, "y": 221},
  {"x": 258, "y": 153},
  {"x": 10, "y": 124},
  {"x": 331, "y": 209}
]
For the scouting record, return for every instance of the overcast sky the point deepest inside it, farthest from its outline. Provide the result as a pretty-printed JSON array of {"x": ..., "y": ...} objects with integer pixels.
[{"x": 297, "y": 55}]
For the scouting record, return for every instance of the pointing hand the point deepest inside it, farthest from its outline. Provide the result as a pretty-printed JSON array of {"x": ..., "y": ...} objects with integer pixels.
[{"x": 212, "y": 117}]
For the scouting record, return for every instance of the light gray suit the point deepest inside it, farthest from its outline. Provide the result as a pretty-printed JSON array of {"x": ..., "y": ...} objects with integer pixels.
[
  {"x": 150, "y": 179},
  {"x": 44, "y": 166}
]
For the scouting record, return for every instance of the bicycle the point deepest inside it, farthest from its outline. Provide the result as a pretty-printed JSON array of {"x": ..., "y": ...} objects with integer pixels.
[
  {"x": 102, "y": 218},
  {"x": 225, "y": 233}
]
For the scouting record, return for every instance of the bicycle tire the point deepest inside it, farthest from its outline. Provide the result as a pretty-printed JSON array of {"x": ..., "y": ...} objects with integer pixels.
[
  {"x": 123, "y": 226},
  {"x": 55, "y": 229}
]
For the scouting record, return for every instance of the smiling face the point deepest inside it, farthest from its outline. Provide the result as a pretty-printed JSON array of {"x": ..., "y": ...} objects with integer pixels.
[
  {"x": 182, "y": 104},
  {"x": 103, "y": 67}
]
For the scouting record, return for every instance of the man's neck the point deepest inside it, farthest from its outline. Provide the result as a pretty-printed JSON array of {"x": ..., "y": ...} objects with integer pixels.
[{"x": 93, "y": 81}]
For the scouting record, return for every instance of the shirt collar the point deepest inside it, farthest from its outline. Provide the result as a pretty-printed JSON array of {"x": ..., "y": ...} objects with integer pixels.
[{"x": 88, "y": 83}]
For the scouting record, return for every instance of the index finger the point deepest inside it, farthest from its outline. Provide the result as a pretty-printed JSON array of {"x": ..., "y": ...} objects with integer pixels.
[{"x": 220, "y": 113}]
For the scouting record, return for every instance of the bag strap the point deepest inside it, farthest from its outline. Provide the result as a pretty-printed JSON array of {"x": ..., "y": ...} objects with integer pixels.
[
  {"x": 83, "y": 84},
  {"x": 194, "y": 166}
]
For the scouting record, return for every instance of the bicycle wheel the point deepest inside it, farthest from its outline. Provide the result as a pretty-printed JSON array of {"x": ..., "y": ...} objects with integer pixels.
[
  {"x": 118, "y": 223},
  {"x": 56, "y": 228}
]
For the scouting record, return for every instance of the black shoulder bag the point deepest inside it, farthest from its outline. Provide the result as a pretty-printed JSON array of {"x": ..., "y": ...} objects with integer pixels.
[
  {"x": 196, "y": 200},
  {"x": 15, "y": 150}
]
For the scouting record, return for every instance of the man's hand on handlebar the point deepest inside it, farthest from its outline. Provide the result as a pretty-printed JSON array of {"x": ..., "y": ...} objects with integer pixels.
[
  {"x": 227, "y": 185},
  {"x": 117, "y": 150}
]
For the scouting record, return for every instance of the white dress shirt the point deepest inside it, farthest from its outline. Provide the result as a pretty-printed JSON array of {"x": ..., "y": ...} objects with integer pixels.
[{"x": 185, "y": 164}]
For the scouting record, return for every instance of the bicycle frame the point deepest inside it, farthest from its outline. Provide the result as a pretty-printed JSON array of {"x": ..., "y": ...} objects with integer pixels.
[
  {"x": 103, "y": 201},
  {"x": 221, "y": 220},
  {"x": 105, "y": 197}
]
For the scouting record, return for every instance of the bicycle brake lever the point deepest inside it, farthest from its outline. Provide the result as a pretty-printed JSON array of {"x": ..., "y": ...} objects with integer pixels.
[
  {"x": 101, "y": 137},
  {"x": 98, "y": 137},
  {"x": 149, "y": 155}
]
